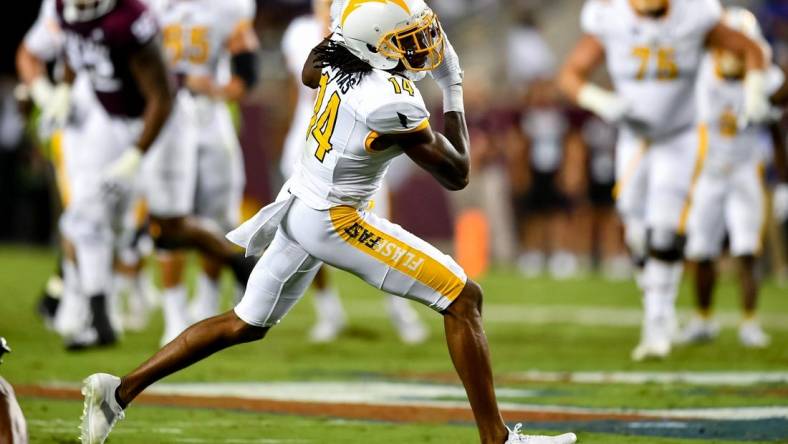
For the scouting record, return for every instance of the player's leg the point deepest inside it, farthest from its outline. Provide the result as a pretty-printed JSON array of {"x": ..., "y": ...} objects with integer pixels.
[
  {"x": 705, "y": 232},
  {"x": 170, "y": 171},
  {"x": 406, "y": 321},
  {"x": 394, "y": 260},
  {"x": 632, "y": 158},
  {"x": 746, "y": 213},
  {"x": 218, "y": 197},
  {"x": 277, "y": 283},
  {"x": 329, "y": 312},
  {"x": 673, "y": 170},
  {"x": 86, "y": 227}
]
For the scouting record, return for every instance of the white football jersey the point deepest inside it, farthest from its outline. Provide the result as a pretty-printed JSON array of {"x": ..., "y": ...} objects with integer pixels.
[
  {"x": 654, "y": 64},
  {"x": 721, "y": 108},
  {"x": 303, "y": 34},
  {"x": 338, "y": 165},
  {"x": 196, "y": 31}
]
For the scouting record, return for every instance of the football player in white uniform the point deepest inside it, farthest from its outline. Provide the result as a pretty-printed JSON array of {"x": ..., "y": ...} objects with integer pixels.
[
  {"x": 653, "y": 50},
  {"x": 303, "y": 34},
  {"x": 198, "y": 36},
  {"x": 730, "y": 192},
  {"x": 366, "y": 114}
]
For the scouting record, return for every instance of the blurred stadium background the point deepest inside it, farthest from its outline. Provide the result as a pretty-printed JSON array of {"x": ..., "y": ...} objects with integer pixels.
[{"x": 555, "y": 269}]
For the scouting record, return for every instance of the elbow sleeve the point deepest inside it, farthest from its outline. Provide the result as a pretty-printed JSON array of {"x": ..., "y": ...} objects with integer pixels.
[{"x": 245, "y": 66}]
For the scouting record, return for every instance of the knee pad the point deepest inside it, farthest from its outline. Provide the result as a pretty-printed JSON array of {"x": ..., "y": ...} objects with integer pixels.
[{"x": 666, "y": 245}]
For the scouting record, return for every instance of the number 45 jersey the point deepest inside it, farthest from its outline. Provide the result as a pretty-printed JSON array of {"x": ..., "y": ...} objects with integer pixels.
[
  {"x": 654, "y": 64},
  {"x": 339, "y": 165}
]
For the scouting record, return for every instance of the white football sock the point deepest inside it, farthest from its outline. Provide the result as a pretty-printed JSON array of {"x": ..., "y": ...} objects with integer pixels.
[
  {"x": 661, "y": 284},
  {"x": 206, "y": 303},
  {"x": 328, "y": 305},
  {"x": 71, "y": 316},
  {"x": 175, "y": 308}
]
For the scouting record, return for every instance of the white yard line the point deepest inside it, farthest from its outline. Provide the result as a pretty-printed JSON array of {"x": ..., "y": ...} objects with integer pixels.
[
  {"x": 691, "y": 378},
  {"x": 433, "y": 395},
  {"x": 605, "y": 316}
]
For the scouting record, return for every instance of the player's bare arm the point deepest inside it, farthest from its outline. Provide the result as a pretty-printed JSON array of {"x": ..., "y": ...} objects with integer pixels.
[
  {"x": 150, "y": 71},
  {"x": 573, "y": 81},
  {"x": 310, "y": 75},
  {"x": 724, "y": 37},
  {"x": 446, "y": 157},
  {"x": 587, "y": 55},
  {"x": 28, "y": 66}
]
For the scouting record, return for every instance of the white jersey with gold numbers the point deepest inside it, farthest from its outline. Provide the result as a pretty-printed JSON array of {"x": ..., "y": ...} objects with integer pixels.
[
  {"x": 196, "y": 31},
  {"x": 338, "y": 165},
  {"x": 654, "y": 64}
]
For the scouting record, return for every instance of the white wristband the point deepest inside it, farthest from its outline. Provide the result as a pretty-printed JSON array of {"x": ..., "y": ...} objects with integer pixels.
[
  {"x": 452, "y": 99},
  {"x": 602, "y": 102}
]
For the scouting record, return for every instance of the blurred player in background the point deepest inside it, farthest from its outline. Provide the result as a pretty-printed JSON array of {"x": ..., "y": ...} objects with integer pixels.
[
  {"x": 653, "y": 50},
  {"x": 13, "y": 427},
  {"x": 43, "y": 44},
  {"x": 545, "y": 207},
  {"x": 599, "y": 141},
  {"x": 116, "y": 43},
  {"x": 730, "y": 192},
  {"x": 367, "y": 113},
  {"x": 198, "y": 36},
  {"x": 303, "y": 34}
]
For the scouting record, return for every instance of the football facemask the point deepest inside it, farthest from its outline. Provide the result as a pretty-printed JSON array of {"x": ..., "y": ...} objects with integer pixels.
[{"x": 419, "y": 46}]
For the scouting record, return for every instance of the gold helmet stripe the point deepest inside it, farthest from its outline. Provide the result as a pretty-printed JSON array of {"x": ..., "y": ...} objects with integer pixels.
[{"x": 355, "y": 4}]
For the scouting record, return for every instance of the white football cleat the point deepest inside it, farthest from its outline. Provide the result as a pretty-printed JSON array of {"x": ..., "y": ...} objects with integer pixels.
[
  {"x": 699, "y": 330},
  {"x": 326, "y": 330},
  {"x": 654, "y": 341},
  {"x": 652, "y": 349},
  {"x": 515, "y": 437},
  {"x": 751, "y": 335},
  {"x": 101, "y": 411}
]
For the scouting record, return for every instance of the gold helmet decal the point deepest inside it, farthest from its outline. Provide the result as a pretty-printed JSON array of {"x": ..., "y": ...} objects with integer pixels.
[{"x": 352, "y": 5}]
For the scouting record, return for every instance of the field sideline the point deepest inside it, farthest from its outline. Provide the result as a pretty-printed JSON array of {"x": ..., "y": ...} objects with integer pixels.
[{"x": 558, "y": 347}]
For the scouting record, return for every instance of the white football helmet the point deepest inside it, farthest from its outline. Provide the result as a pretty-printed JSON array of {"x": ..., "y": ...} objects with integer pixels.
[
  {"x": 744, "y": 21},
  {"x": 384, "y": 33},
  {"x": 85, "y": 10}
]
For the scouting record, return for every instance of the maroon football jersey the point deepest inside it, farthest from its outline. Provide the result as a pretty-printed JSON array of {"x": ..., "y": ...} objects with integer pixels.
[{"x": 103, "y": 47}]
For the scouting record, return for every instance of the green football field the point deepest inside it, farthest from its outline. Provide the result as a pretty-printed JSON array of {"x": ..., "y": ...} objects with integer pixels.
[{"x": 560, "y": 352}]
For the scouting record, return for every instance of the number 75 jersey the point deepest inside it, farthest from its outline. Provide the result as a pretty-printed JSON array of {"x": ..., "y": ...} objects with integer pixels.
[
  {"x": 654, "y": 63},
  {"x": 339, "y": 165}
]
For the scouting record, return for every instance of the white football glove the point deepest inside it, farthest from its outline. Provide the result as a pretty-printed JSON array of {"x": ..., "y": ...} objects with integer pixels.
[
  {"x": 449, "y": 72},
  {"x": 780, "y": 202},
  {"x": 606, "y": 104},
  {"x": 121, "y": 173},
  {"x": 757, "y": 108},
  {"x": 55, "y": 110},
  {"x": 41, "y": 91}
]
